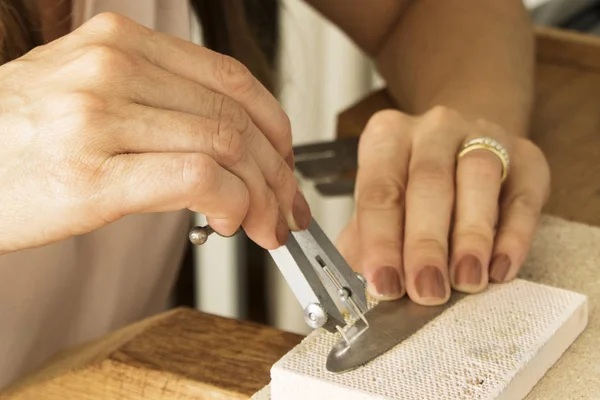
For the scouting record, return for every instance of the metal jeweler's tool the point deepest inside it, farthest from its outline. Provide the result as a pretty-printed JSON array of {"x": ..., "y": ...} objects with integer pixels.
[
  {"x": 329, "y": 291},
  {"x": 331, "y": 294},
  {"x": 333, "y": 297}
]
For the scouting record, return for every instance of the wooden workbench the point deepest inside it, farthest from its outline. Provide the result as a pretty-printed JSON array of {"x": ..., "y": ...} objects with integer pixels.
[{"x": 186, "y": 354}]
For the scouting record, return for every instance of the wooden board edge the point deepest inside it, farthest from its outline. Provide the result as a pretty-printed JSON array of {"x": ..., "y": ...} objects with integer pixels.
[{"x": 85, "y": 354}]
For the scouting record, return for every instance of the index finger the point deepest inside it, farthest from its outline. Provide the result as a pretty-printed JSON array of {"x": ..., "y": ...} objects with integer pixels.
[
  {"x": 382, "y": 160},
  {"x": 218, "y": 72}
]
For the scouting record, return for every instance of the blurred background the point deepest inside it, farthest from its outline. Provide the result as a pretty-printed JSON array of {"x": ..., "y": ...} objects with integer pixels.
[{"x": 321, "y": 73}]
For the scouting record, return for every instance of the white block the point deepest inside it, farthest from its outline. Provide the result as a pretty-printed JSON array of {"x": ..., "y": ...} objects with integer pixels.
[{"x": 494, "y": 345}]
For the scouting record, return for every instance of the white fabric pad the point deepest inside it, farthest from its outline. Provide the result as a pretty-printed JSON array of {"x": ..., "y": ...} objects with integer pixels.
[{"x": 494, "y": 345}]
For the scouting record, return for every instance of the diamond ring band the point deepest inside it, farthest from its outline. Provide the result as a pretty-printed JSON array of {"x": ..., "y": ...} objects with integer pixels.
[{"x": 491, "y": 145}]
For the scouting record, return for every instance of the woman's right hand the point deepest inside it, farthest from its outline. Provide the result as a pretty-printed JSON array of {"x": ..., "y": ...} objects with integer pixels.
[{"x": 115, "y": 119}]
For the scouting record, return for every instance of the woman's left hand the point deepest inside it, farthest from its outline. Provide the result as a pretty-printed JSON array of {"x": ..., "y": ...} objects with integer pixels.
[{"x": 426, "y": 221}]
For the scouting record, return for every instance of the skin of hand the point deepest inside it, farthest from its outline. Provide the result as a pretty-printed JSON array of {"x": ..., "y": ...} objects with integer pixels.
[
  {"x": 459, "y": 70},
  {"x": 421, "y": 228},
  {"x": 115, "y": 119}
]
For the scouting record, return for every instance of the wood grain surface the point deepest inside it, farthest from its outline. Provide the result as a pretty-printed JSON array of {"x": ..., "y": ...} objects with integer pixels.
[{"x": 182, "y": 354}]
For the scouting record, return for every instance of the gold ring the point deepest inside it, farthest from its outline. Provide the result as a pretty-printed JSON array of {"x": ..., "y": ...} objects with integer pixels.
[{"x": 490, "y": 145}]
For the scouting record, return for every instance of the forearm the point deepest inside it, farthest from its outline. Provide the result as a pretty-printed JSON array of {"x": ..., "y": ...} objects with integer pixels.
[{"x": 474, "y": 56}]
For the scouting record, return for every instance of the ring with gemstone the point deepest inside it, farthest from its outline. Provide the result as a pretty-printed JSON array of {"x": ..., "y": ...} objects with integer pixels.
[{"x": 489, "y": 144}]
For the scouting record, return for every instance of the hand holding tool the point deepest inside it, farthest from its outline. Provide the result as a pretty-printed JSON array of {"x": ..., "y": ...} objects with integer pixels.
[{"x": 328, "y": 290}]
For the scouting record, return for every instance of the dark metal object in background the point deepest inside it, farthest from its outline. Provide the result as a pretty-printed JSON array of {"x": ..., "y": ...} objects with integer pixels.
[
  {"x": 330, "y": 165},
  {"x": 390, "y": 323},
  {"x": 326, "y": 159},
  {"x": 578, "y": 15}
]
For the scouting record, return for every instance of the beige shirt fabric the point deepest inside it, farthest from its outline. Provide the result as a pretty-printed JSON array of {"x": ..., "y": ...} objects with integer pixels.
[{"x": 59, "y": 295}]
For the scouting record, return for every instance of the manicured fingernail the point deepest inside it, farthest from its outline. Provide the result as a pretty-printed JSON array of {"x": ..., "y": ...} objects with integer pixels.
[
  {"x": 468, "y": 272},
  {"x": 499, "y": 268},
  {"x": 290, "y": 160},
  {"x": 282, "y": 231},
  {"x": 301, "y": 211},
  {"x": 430, "y": 283},
  {"x": 386, "y": 284}
]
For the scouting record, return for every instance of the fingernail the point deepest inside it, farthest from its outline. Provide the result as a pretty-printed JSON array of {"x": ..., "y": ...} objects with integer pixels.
[
  {"x": 430, "y": 283},
  {"x": 499, "y": 268},
  {"x": 301, "y": 211},
  {"x": 290, "y": 160},
  {"x": 386, "y": 284},
  {"x": 282, "y": 231},
  {"x": 468, "y": 272}
]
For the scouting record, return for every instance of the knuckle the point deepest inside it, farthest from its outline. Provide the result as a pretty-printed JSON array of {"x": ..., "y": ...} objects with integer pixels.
[
  {"x": 383, "y": 122},
  {"x": 380, "y": 196},
  {"x": 197, "y": 172},
  {"x": 531, "y": 149},
  {"x": 429, "y": 247},
  {"x": 233, "y": 75},
  {"x": 440, "y": 114},
  {"x": 80, "y": 109},
  {"x": 231, "y": 111},
  {"x": 525, "y": 204},
  {"x": 385, "y": 133},
  {"x": 432, "y": 174},
  {"x": 102, "y": 61},
  {"x": 78, "y": 101},
  {"x": 527, "y": 150},
  {"x": 513, "y": 239},
  {"x": 109, "y": 22},
  {"x": 475, "y": 235},
  {"x": 282, "y": 175},
  {"x": 387, "y": 246},
  {"x": 441, "y": 119},
  {"x": 228, "y": 145}
]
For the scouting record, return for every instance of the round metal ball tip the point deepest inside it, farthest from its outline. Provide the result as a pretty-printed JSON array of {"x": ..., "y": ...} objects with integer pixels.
[{"x": 198, "y": 235}]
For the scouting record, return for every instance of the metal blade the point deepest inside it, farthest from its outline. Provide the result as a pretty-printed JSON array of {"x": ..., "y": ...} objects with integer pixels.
[{"x": 390, "y": 323}]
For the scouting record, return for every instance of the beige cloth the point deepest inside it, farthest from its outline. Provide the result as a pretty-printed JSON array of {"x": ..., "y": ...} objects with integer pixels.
[{"x": 59, "y": 295}]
